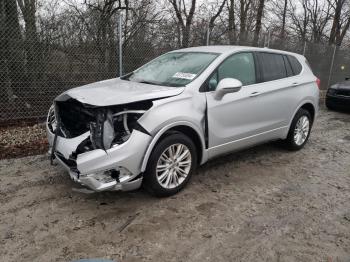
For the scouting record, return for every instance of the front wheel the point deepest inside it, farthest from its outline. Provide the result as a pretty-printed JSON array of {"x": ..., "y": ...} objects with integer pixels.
[
  {"x": 170, "y": 165},
  {"x": 299, "y": 131}
]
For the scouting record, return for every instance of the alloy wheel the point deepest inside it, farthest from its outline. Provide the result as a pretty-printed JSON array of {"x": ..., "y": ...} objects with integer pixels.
[
  {"x": 173, "y": 166},
  {"x": 301, "y": 130}
]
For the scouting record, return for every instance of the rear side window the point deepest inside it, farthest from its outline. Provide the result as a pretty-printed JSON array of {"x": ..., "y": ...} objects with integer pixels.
[
  {"x": 272, "y": 66},
  {"x": 288, "y": 66},
  {"x": 296, "y": 66}
]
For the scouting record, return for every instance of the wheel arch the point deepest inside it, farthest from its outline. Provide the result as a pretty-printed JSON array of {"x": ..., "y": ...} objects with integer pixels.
[
  {"x": 309, "y": 106},
  {"x": 184, "y": 127}
]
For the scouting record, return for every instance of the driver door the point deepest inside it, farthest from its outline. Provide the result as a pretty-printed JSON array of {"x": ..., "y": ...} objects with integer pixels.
[{"x": 236, "y": 120}]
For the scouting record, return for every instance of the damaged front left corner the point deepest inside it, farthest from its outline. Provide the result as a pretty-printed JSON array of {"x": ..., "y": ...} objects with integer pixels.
[{"x": 91, "y": 141}]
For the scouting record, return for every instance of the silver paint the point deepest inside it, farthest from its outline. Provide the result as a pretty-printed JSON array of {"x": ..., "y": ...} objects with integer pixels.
[{"x": 254, "y": 114}]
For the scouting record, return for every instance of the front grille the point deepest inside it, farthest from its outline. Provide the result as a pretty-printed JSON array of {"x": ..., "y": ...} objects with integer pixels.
[
  {"x": 74, "y": 118},
  {"x": 343, "y": 92}
]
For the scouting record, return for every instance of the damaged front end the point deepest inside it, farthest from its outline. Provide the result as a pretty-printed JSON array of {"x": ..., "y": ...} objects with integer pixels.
[{"x": 102, "y": 147}]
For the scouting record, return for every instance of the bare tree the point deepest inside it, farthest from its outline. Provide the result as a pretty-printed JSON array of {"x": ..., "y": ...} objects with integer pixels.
[
  {"x": 259, "y": 16},
  {"x": 283, "y": 28},
  {"x": 340, "y": 24},
  {"x": 184, "y": 18},
  {"x": 320, "y": 15},
  {"x": 244, "y": 8},
  {"x": 216, "y": 15},
  {"x": 28, "y": 10},
  {"x": 231, "y": 21},
  {"x": 11, "y": 60},
  {"x": 300, "y": 19},
  {"x": 104, "y": 11}
]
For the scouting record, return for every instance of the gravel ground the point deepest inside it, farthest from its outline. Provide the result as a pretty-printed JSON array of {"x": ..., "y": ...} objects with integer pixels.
[
  {"x": 263, "y": 204},
  {"x": 17, "y": 141}
]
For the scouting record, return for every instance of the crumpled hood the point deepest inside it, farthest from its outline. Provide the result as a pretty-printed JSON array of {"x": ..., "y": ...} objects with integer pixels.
[{"x": 117, "y": 92}]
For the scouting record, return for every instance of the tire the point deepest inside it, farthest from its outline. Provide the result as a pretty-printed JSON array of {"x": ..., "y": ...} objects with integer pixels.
[
  {"x": 296, "y": 142},
  {"x": 329, "y": 106},
  {"x": 168, "y": 180}
]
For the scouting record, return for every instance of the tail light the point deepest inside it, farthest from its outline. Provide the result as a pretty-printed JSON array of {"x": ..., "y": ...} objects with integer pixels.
[{"x": 318, "y": 82}]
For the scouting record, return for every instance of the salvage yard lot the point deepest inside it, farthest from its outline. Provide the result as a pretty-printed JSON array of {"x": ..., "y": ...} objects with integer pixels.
[{"x": 263, "y": 204}]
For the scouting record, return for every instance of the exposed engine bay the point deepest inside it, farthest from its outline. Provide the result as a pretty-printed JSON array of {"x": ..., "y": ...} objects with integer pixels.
[{"x": 108, "y": 126}]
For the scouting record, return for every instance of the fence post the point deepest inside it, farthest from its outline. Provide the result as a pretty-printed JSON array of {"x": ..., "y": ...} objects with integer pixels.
[
  {"x": 304, "y": 49},
  {"x": 208, "y": 36},
  {"x": 268, "y": 39},
  {"x": 120, "y": 44},
  {"x": 331, "y": 68}
]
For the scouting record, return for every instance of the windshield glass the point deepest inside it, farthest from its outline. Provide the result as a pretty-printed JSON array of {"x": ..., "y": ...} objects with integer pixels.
[{"x": 173, "y": 69}]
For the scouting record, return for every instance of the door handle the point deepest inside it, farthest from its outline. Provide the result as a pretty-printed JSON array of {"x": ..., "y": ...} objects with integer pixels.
[
  {"x": 254, "y": 94},
  {"x": 295, "y": 84}
]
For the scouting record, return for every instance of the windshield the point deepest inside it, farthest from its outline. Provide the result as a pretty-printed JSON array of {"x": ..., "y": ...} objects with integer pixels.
[{"x": 172, "y": 69}]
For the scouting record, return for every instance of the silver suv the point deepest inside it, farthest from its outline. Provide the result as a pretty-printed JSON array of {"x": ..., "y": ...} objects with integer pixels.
[{"x": 155, "y": 125}]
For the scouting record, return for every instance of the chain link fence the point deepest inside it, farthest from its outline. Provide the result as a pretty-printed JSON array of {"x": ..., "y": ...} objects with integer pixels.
[{"x": 34, "y": 70}]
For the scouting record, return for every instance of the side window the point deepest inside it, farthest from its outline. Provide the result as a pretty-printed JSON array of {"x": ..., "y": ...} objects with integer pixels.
[
  {"x": 288, "y": 66},
  {"x": 272, "y": 66},
  {"x": 296, "y": 66},
  {"x": 239, "y": 66}
]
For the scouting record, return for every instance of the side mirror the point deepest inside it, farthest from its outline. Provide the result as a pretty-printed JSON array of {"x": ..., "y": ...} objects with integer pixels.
[{"x": 225, "y": 86}]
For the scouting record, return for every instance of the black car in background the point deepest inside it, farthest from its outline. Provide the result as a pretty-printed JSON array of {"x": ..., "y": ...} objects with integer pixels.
[{"x": 338, "y": 96}]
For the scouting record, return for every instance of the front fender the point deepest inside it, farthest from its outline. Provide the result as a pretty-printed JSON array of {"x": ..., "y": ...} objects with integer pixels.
[
  {"x": 186, "y": 109},
  {"x": 155, "y": 139}
]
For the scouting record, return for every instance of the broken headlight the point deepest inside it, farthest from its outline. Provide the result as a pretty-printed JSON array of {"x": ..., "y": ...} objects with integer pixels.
[
  {"x": 51, "y": 119},
  {"x": 102, "y": 130},
  {"x": 113, "y": 128}
]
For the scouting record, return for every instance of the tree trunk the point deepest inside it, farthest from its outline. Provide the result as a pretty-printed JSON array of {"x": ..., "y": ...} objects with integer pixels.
[
  {"x": 283, "y": 29},
  {"x": 258, "y": 22},
  {"x": 342, "y": 34},
  {"x": 32, "y": 45},
  {"x": 242, "y": 20},
  {"x": 335, "y": 30},
  {"x": 11, "y": 59},
  {"x": 231, "y": 23},
  {"x": 213, "y": 18},
  {"x": 185, "y": 25}
]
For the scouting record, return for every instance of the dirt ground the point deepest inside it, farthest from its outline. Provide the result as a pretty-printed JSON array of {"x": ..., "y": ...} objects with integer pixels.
[{"x": 263, "y": 204}]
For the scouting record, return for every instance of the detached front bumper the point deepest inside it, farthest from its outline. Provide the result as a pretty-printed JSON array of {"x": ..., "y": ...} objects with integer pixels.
[{"x": 117, "y": 168}]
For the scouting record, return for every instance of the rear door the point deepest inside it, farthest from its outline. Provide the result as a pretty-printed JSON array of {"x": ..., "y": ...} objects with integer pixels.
[{"x": 276, "y": 89}]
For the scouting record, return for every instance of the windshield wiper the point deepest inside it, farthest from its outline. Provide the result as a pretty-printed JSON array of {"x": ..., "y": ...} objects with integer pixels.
[
  {"x": 127, "y": 76},
  {"x": 148, "y": 82}
]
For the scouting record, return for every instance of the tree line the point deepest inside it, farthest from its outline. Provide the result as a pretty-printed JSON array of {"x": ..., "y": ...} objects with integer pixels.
[{"x": 50, "y": 45}]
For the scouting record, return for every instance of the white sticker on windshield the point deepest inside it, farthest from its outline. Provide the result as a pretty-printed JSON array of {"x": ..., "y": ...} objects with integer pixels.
[{"x": 181, "y": 75}]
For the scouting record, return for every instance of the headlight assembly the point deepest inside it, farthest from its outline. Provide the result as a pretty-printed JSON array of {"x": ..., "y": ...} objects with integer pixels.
[
  {"x": 51, "y": 119},
  {"x": 332, "y": 90},
  {"x": 111, "y": 129}
]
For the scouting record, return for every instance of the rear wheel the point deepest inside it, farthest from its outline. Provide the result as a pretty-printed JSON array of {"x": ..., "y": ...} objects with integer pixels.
[
  {"x": 170, "y": 165},
  {"x": 299, "y": 131}
]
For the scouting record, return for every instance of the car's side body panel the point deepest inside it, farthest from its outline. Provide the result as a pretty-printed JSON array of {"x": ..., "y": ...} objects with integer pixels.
[{"x": 259, "y": 112}]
